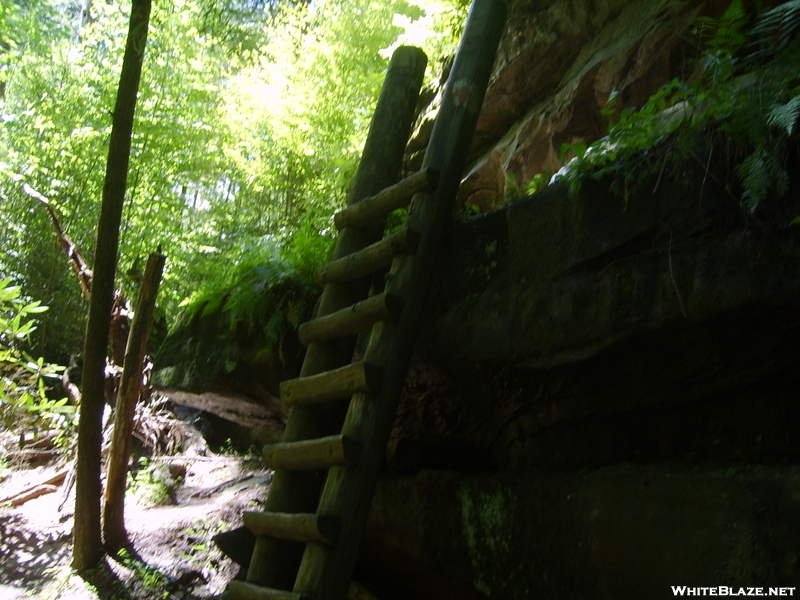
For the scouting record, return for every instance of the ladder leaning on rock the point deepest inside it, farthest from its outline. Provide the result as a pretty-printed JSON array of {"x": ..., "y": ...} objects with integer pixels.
[{"x": 328, "y": 464}]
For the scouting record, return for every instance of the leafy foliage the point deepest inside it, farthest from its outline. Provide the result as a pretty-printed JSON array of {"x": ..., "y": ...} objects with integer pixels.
[
  {"x": 250, "y": 122},
  {"x": 24, "y": 400},
  {"x": 150, "y": 484},
  {"x": 538, "y": 181},
  {"x": 246, "y": 312},
  {"x": 753, "y": 101},
  {"x": 244, "y": 294}
]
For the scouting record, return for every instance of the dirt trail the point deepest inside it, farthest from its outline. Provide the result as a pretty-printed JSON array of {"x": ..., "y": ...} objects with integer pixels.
[{"x": 173, "y": 542}]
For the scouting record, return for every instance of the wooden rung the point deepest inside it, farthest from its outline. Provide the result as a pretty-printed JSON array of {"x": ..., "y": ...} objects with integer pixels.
[
  {"x": 387, "y": 200},
  {"x": 313, "y": 454},
  {"x": 370, "y": 259},
  {"x": 294, "y": 526},
  {"x": 356, "y": 591},
  {"x": 332, "y": 385},
  {"x": 351, "y": 320},
  {"x": 241, "y": 590}
]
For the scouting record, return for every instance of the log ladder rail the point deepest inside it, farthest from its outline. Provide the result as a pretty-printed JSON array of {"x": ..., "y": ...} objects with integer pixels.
[{"x": 327, "y": 466}]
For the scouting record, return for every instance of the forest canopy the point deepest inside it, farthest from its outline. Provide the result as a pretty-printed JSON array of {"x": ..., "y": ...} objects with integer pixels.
[{"x": 250, "y": 121}]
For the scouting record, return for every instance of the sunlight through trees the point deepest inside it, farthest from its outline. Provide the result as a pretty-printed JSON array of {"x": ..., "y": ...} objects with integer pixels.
[{"x": 250, "y": 121}]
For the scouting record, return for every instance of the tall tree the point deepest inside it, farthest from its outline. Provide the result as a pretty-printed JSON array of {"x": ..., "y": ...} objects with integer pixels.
[{"x": 87, "y": 549}]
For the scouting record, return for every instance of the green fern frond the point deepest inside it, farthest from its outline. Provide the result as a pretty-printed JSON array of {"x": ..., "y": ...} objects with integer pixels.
[
  {"x": 729, "y": 36},
  {"x": 775, "y": 29},
  {"x": 294, "y": 313},
  {"x": 779, "y": 23},
  {"x": 784, "y": 116},
  {"x": 753, "y": 174},
  {"x": 759, "y": 173}
]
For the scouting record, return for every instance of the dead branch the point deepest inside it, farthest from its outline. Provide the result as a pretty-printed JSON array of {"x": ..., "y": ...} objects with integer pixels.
[
  {"x": 79, "y": 265},
  {"x": 72, "y": 391},
  {"x": 45, "y": 440}
]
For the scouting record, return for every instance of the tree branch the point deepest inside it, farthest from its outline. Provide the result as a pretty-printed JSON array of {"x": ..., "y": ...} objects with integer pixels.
[{"x": 79, "y": 265}]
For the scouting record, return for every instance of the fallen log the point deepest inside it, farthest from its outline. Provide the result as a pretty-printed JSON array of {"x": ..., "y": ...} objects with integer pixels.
[
  {"x": 48, "y": 486},
  {"x": 187, "y": 457}
]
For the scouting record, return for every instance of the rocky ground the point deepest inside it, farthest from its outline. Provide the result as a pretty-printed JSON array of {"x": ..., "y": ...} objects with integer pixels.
[{"x": 172, "y": 556}]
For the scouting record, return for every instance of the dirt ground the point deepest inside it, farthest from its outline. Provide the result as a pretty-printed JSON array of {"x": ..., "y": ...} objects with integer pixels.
[{"x": 173, "y": 555}]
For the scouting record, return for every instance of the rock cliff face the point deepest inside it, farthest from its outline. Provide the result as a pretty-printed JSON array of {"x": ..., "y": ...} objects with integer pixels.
[
  {"x": 569, "y": 307},
  {"x": 604, "y": 398},
  {"x": 599, "y": 380},
  {"x": 557, "y": 65}
]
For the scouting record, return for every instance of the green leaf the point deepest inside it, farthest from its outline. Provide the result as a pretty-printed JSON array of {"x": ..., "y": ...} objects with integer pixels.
[
  {"x": 35, "y": 308},
  {"x": 563, "y": 151},
  {"x": 784, "y": 116}
]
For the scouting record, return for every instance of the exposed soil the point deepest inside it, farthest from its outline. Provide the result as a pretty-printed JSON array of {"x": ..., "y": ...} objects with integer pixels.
[{"x": 172, "y": 556}]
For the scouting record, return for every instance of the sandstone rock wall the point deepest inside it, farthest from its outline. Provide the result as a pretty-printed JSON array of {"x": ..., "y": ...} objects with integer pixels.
[
  {"x": 558, "y": 63},
  {"x": 584, "y": 309},
  {"x": 604, "y": 398},
  {"x": 618, "y": 533}
]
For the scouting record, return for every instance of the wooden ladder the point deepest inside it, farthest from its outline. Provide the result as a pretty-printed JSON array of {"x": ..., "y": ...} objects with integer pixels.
[{"x": 328, "y": 464}]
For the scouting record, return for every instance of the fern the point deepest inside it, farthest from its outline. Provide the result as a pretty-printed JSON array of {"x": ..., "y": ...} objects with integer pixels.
[
  {"x": 759, "y": 173},
  {"x": 209, "y": 304},
  {"x": 784, "y": 116},
  {"x": 246, "y": 314},
  {"x": 775, "y": 29},
  {"x": 729, "y": 35},
  {"x": 756, "y": 103}
]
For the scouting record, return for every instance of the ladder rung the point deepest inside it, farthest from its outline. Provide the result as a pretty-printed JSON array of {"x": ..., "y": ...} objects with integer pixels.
[
  {"x": 298, "y": 527},
  {"x": 387, "y": 200},
  {"x": 313, "y": 454},
  {"x": 370, "y": 259},
  {"x": 351, "y": 320},
  {"x": 332, "y": 385},
  {"x": 241, "y": 590},
  {"x": 356, "y": 591}
]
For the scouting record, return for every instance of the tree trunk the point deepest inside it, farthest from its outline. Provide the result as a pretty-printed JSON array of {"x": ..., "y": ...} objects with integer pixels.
[
  {"x": 114, "y": 532},
  {"x": 87, "y": 549}
]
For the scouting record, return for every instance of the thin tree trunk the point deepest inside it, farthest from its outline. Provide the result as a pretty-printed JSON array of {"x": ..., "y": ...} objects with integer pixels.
[
  {"x": 114, "y": 532},
  {"x": 87, "y": 549}
]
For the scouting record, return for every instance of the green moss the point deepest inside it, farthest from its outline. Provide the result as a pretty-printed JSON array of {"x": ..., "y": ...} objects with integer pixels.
[{"x": 488, "y": 532}]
